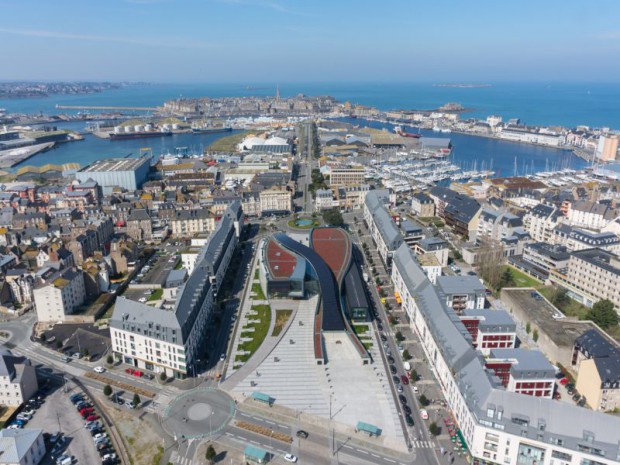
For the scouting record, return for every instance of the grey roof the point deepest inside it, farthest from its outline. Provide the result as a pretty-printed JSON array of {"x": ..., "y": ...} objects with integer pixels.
[
  {"x": 422, "y": 198},
  {"x": 481, "y": 393},
  {"x": 176, "y": 276},
  {"x": 375, "y": 202},
  {"x": 555, "y": 252},
  {"x": 450, "y": 285},
  {"x": 594, "y": 345},
  {"x": 493, "y": 320},
  {"x": 531, "y": 364},
  {"x": 442, "y": 321},
  {"x": 138, "y": 215},
  {"x": 430, "y": 244},
  {"x": 410, "y": 227},
  {"x": 15, "y": 443},
  {"x": 542, "y": 211},
  {"x": 600, "y": 258},
  {"x": 587, "y": 237}
]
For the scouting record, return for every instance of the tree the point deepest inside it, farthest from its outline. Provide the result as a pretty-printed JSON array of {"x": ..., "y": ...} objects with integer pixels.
[
  {"x": 107, "y": 390},
  {"x": 414, "y": 375},
  {"x": 490, "y": 258},
  {"x": 535, "y": 335},
  {"x": 434, "y": 429},
  {"x": 558, "y": 296},
  {"x": 333, "y": 217},
  {"x": 43, "y": 337},
  {"x": 506, "y": 278},
  {"x": 210, "y": 454},
  {"x": 423, "y": 400},
  {"x": 399, "y": 336},
  {"x": 603, "y": 314},
  {"x": 406, "y": 355},
  {"x": 162, "y": 376},
  {"x": 528, "y": 327},
  {"x": 110, "y": 360},
  {"x": 136, "y": 399}
]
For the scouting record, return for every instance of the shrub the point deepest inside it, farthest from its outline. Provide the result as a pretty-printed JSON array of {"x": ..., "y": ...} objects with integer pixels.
[
  {"x": 136, "y": 399},
  {"x": 528, "y": 328},
  {"x": 535, "y": 335},
  {"x": 406, "y": 355},
  {"x": 107, "y": 390},
  {"x": 162, "y": 376},
  {"x": 424, "y": 401},
  {"x": 110, "y": 360},
  {"x": 434, "y": 429}
]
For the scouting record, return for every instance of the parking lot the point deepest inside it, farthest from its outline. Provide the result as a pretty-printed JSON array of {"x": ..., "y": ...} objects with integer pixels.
[
  {"x": 81, "y": 338},
  {"x": 156, "y": 269},
  {"x": 58, "y": 414}
]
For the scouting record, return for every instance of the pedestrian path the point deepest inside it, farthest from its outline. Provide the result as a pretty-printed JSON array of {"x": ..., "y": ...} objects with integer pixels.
[
  {"x": 419, "y": 444},
  {"x": 180, "y": 459}
]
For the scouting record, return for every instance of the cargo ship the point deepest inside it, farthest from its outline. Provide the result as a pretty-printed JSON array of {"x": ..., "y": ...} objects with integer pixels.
[
  {"x": 138, "y": 135},
  {"x": 399, "y": 130},
  {"x": 211, "y": 130}
]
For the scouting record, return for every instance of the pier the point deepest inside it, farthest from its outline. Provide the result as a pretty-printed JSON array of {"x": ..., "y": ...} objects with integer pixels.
[
  {"x": 12, "y": 157},
  {"x": 80, "y": 107}
]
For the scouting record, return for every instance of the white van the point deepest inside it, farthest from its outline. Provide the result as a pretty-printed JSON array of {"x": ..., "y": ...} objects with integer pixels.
[
  {"x": 407, "y": 366},
  {"x": 415, "y": 390}
]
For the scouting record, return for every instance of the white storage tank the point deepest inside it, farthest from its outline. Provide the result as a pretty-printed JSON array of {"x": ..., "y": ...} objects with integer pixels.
[
  {"x": 118, "y": 129},
  {"x": 138, "y": 128},
  {"x": 128, "y": 128},
  {"x": 175, "y": 126},
  {"x": 148, "y": 127}
]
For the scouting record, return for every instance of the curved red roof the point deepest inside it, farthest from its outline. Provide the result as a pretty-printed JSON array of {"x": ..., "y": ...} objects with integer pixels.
[
  {"x": 280, "y": 262},
  {"x": 334, "y": 247}
]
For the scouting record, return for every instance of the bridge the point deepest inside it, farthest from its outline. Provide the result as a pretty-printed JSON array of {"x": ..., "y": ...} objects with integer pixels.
[{"x": 78, "y": 107}]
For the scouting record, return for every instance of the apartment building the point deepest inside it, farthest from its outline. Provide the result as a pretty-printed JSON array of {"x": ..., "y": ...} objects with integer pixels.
[
  {"x": 22, "y": 446},
  {"x": 597, "y": 362},
  {"x": 498, "y": 426},
  {"x": 540, "y": 222},
  {"x": 592, "y": 275},
  {"x": 188, "y": 223},
  {"x": 460, "y": 212},
  {"x": 173, "y": 340},
  {"x": 385, "y": 234},
  {"x": 462, "y": 292},
  {"x": 589, "y": 214},
  {"x": 504, "y": 228},
  {"x": 59, "y": 295},
  {"x": 275, "y": 200},
  {"x": 18, "y": 379},
  {"x": 490, "y": 329},
  {"x": 422, "y": 205},
  {"x": 324, "y": 200},
  {"x": 543, "y": 258},
  {"x": 346, "y": 176},
  {"x": 523, "y": 371},
  {"x": 579, "y": 239},
  {"x": 433, "y": 246}
]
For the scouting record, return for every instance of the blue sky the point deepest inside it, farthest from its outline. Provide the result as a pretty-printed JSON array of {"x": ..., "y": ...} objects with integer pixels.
[{"x": 310, "y": 40}]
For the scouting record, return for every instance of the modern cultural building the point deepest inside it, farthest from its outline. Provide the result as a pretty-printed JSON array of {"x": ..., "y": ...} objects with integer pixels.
[{"x": 326, "y": 267}]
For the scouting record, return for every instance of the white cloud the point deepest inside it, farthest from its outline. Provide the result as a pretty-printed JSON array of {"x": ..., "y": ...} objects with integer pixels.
[{"x": 96, "y": 38}]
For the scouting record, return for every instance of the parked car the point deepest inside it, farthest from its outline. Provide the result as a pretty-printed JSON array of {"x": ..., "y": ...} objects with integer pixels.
[
  {"x": 407, "y": 409},
  {"x": 75, "y": 398},
  {"x": 302, "y": 434},
  {"x": 290, "y": 458},
  {"x": 76, "y": 355},
  {"x": 404, "y": 379},
  {"x": 415, "y": 390},
  {"x": 130, "y": 405},
  {"x": 403, "y": 399},
  {"x": 396, "y": 379},
  {"x": 100, "y": 436},
  {"x": 393, "y": 369},
  {"x": 99, "y": 369},
  {"x": 92, "y": 417},
  {"x": 65, "y": 359},
  {"x": 409, "y": 420},
  {"x": 399, "y": 388}
]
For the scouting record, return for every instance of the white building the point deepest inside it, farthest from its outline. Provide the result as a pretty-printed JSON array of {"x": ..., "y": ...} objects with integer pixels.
[
  {"x": 383, "y": 230},
  {"x": 21, "y": 446},
  {"x": 590, "y": 215},
  {"x": 18, "y": 379},
  {"x": 172, "y": 341},
  {"x": 275, "y": 200},
  {"x": 462, "y": 292},
  {"x": 579, "y": 239},
  {"x": 540, "y": 221},
  {"x": 324, "y": 199},
  {"x": 498, "y": 426},
  {"x": 60, "y": 295}
]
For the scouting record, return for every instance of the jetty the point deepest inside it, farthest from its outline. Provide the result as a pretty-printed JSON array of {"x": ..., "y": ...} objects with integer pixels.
[
  {"x": 12, "y": 157},
  {"x": 80, "y": 107}
]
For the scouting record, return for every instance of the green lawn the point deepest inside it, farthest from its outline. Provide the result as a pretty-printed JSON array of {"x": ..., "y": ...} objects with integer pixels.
[
  {"x": 360, "y": 329},
  {"x": 258, "y": 291},
  {"x": 261, "y": 328},
  {"x": 156, "y": 295},
  {"x": 256, "y": 274},
  {"x": 521, "y": 279},
  {"x": 228, "y": 143}
]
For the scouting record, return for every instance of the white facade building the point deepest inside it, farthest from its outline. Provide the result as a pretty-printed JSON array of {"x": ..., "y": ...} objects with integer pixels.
[
  {"x": 61, "y": 296},
  {"x": 498, "y": 426},
  {"x": 18, "y": 379}
]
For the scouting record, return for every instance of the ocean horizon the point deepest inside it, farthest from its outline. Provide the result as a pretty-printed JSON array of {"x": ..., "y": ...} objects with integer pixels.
[{"x": 566, "y": 104}]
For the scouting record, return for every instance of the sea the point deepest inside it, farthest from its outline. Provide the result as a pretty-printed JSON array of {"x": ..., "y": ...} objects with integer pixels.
[{"x": 564, "y": 104}]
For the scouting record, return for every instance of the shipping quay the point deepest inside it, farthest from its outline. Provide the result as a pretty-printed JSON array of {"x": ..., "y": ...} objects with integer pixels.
[
  {"x": 12, "y": 157},
  {"x": 80, "y": 107}
]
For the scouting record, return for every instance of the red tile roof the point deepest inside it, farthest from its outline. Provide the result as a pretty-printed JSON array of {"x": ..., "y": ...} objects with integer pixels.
[
  {"x": 281, "y": 262},
  {"x": 334, "y": 246}
]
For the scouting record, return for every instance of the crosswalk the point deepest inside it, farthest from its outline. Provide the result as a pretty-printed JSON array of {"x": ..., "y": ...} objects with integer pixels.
[
  {"x": 418, "y": 444},
  {"x": 180, "y": 459}
]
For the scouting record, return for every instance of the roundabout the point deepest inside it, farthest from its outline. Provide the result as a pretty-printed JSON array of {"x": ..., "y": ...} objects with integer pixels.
[
  {"x": 199, "y": 413},
  {"x": 303, "y": 223}
]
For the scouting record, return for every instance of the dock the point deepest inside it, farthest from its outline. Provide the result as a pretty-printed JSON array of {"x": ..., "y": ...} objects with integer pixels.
[
  {"x": 12, "y": 157},
  {"x": 79, "y": 107}
]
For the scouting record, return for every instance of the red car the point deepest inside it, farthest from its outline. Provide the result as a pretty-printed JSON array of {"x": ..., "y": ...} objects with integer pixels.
[
  {"x": 564, "y": 381},
  {"x": 92, "y": 418},
  {"x": 404, "y": 379},
  {"x": 129, "y": 371},
  {"x": 86, "y": 410}
]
